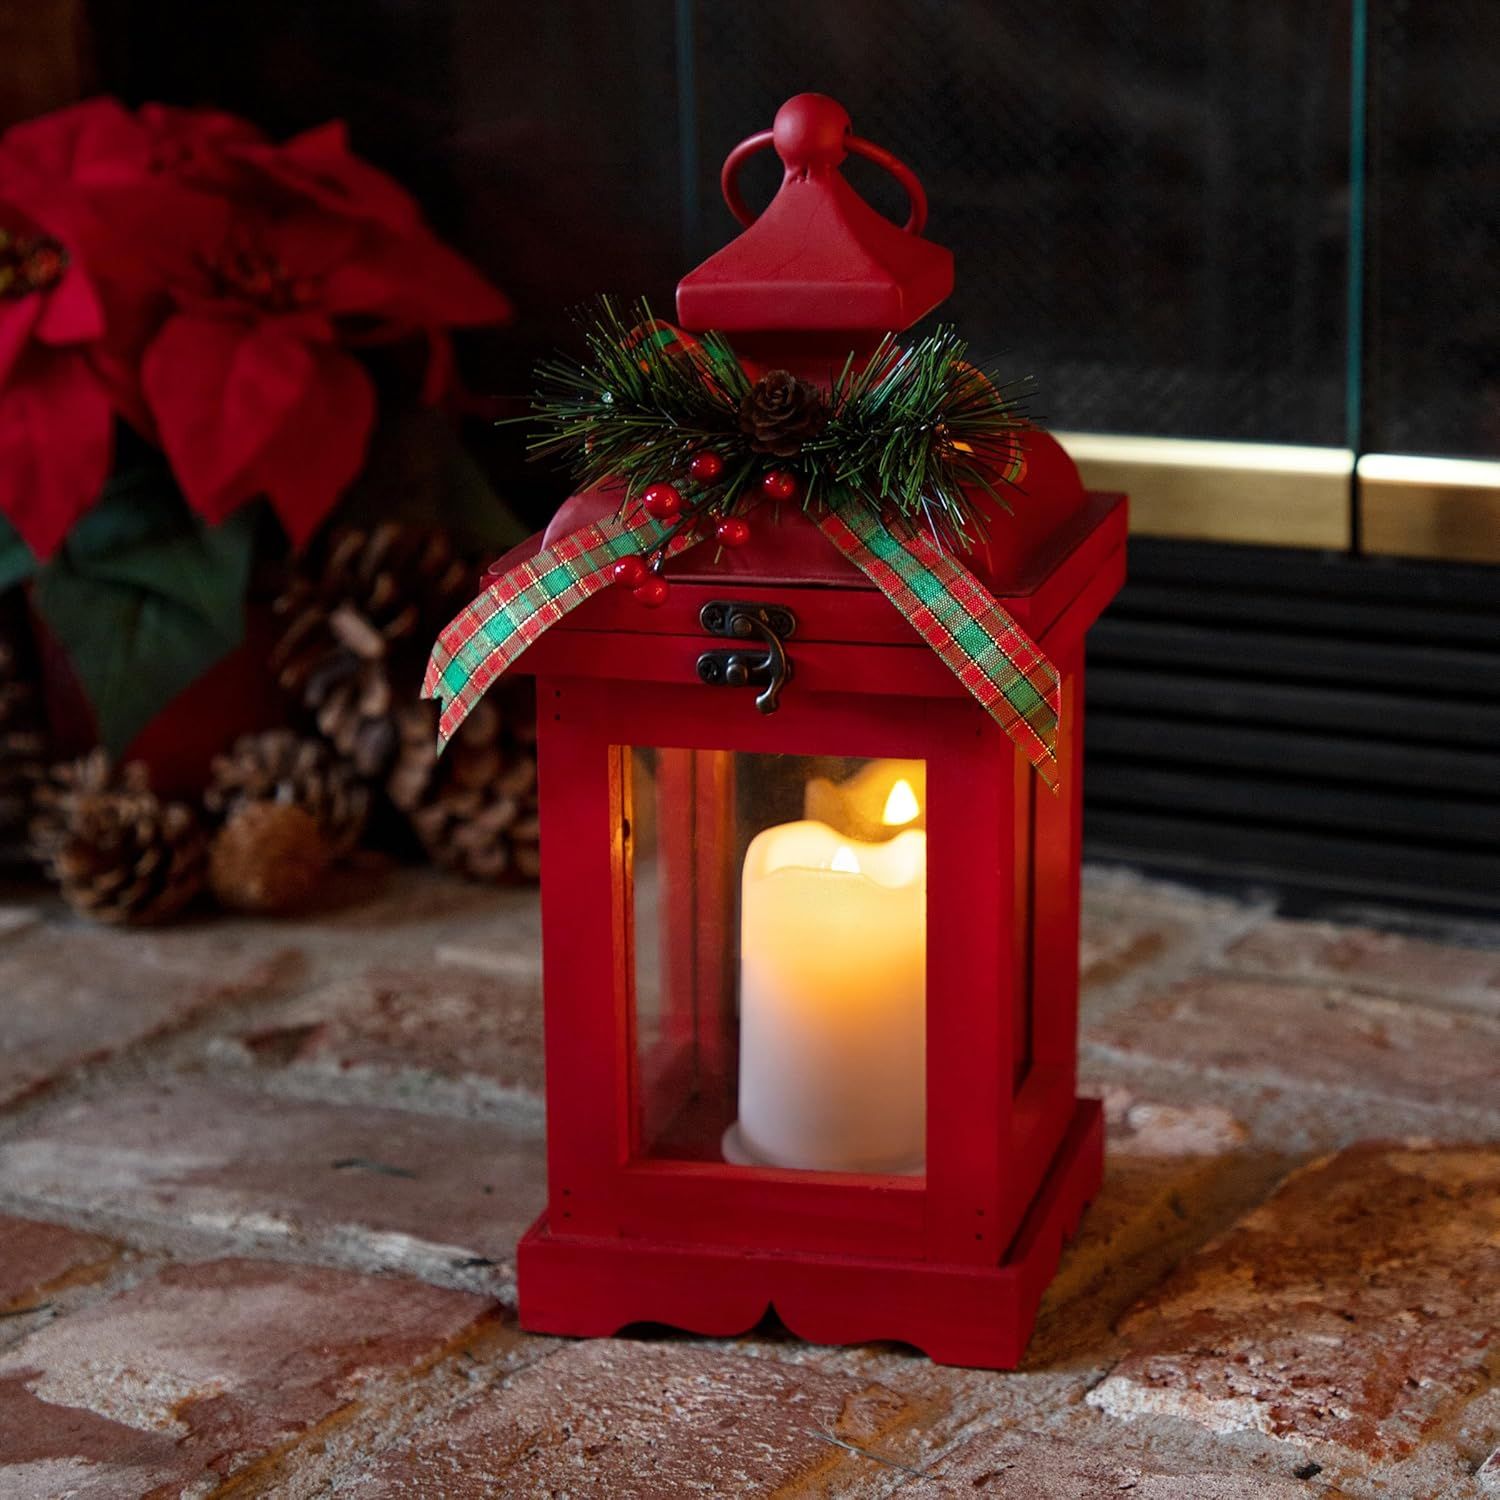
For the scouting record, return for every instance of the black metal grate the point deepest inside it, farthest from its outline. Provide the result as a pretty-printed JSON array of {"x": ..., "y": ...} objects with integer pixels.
[{"x": 1316, "y": 720}]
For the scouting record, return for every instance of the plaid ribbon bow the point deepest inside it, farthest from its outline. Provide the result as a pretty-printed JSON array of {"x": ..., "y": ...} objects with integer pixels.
[
  {"x": 947, "y": 605},
  {"x": 487, "y": 636},
  {"x": 960, "y": 620},
  {"x": 950, "y": 609}
]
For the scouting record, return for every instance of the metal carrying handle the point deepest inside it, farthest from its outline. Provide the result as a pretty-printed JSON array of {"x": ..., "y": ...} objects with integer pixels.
[{"x": 812, "y": 131}]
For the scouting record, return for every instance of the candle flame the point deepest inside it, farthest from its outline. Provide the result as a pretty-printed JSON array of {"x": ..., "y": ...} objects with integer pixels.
[
  {"x": 901, "y": 806},
  {"x": 843, "y": 859}
]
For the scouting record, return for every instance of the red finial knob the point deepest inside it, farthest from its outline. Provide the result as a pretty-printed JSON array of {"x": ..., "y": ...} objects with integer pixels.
[
  {"x": 811, "y": 131},
  {"x": 812, "y": 135}
]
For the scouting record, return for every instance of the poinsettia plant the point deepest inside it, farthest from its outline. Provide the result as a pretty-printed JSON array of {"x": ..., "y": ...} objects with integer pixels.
[{"x": 190, "y": 317}]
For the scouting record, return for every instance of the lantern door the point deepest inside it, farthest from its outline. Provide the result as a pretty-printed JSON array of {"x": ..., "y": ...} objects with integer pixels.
[{"x": 789, "y": 961}]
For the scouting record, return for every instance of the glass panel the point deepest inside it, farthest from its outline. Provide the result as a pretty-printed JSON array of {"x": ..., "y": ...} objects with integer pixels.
[
  {"x": 1147, "y": 203},
  {"x": 1148, "y": 199},
  {"x": 1433, "y": 341},
  {"x": 778, "y": 913}
]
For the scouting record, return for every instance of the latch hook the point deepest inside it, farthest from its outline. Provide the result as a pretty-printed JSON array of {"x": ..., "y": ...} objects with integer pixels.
[{"x": 767, "y": 624}]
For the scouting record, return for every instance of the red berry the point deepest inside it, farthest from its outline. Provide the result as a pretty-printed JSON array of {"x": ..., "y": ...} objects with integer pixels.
[
  {"x": 706, "y": 467},
  {"x": 733, "y": 531},
  {"x": 631, "y": 571},
  {"x": 653, "y": 592},
  {"x": 780, "y": 484},
  {"x": 662, "y": 501}
]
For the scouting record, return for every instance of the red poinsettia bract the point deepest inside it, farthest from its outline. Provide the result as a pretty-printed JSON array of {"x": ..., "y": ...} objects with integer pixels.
[
  {"x": 56, "y": 419},
  {"x": 70, "y": 290},
  {"x": 226, "y": 281}
]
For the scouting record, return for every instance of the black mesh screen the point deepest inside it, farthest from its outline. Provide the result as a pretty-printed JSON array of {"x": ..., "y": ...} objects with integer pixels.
[
  {"x": 1433, "y": 353},
  {"x": 1147, "y": 201}
]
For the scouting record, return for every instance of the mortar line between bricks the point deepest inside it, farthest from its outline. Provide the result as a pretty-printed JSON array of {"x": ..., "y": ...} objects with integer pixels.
[
  {"x": 185, "y": 1236},
  {"x": 369, "y": 1085},
  {"x": 344, "y": 1087},
  {"x": 184, "y": 1051},
  {"x": 1355, "y": 987},
  {"x": 867, "y": 1453},
  {"x": 84, "y": 1076},
  {"x": 1469, "y": 1002},
  {"x": 1101, "y": 1054},
  {"x": 980, "y": 1422}
]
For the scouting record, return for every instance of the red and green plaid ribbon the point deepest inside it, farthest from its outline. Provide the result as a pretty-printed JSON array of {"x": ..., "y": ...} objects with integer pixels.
[
  {"x": 489, "y": 634},
  {"x": 666, "y": 338},
  {"x": 949, "y": 608},
  {"x": 963, "y": 624}
]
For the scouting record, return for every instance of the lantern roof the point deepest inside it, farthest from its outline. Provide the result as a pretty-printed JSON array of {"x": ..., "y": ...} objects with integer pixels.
[{"x": 819, "y": 259}]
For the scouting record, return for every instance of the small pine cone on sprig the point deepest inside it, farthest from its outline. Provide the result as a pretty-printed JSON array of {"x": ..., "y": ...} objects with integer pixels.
[
  {"x": 359, "y": 612},
  {"x": 117, "y": 852},
  {"x": 283, "y": 767},
  {"x": 779, "y": 413},
  {"x": 474, "y": 809},
  {"x": 23, "y": 741}
]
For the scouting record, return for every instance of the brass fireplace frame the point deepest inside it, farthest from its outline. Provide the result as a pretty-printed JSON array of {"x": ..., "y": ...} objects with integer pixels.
[{"x": 1276, "y": 495}]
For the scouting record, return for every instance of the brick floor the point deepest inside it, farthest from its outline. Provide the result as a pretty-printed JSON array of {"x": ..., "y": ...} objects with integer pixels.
[
  {"x": 260, "y": 1186},
  {"x": 377, "y": 1188},
  {"x": 74, "y": 997},
  {"x": 1384, "y": 962},
  {"x": 451, "y": 1021},
  {"x": 629, "y": 1421},
  {"x": 1171, "y": 1174},
  {"x": 1001, "y": 1466},
  {"x": 202, "y": 1370},
  {"x": 37, "y": 1257},
  {"x": 1320, "y": 1036},
  {"x": 1353, "y": 1309}
]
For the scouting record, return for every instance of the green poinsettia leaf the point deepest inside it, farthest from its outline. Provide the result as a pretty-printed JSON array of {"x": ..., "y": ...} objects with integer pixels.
[
  {"x": 17, "y": 561},
  {"x": 418, "y": 471},
  {"x": 139, "y": 503},
  {"x": 143, "y": 619},
  {"x": 201, "y": 569}
]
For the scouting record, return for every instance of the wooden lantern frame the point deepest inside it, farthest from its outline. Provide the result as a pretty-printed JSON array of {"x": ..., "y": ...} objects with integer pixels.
[{"x": 954, "y": 1262}]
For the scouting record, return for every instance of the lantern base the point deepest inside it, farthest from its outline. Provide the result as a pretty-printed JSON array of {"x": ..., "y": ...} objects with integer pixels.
[{"x": 979, "y": 1316}]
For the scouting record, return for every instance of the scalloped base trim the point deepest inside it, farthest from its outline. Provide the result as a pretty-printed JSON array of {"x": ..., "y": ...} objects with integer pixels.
[{"x": 979, "y": 1316}]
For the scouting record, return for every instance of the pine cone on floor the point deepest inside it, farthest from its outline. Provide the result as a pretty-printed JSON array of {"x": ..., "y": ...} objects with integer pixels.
[
  {"x": 118, "y": 853},
  {"x": 361, "y": 611},
  {"x": 23, "y": 741},
  {"x": 474, "y": 809},
  {"x": 283, "y": 767},
  {"x": 779, "y": 413},
  {"x": 268, "y": 857}
]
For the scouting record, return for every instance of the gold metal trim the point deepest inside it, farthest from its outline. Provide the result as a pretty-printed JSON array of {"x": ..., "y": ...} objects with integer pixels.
[
  {"x": 1444, "y": 508},
  {"x": 1266, "y": 493}
]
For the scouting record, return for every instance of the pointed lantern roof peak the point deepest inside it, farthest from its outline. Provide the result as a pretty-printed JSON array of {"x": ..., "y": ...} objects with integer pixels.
[{"x": 819, "y": 260}]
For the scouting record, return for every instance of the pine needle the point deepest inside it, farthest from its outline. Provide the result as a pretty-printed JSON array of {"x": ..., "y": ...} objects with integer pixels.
[{"x": 914, "y": 433}]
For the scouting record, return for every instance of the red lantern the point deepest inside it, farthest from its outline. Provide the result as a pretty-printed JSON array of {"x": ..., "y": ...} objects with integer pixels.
[{"x": 810, "y": 918}]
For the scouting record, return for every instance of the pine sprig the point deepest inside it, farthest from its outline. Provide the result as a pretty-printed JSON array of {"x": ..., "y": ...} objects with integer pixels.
[{"x": 912, "y": 433}]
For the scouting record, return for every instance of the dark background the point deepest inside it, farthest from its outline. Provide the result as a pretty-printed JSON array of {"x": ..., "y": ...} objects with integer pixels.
[
  {"x": 1274, "y": 222},
  {"x": 1150, "y": 203}
]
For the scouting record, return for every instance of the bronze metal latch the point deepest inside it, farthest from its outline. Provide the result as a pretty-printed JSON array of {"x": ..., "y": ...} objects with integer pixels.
[{"x": 769, "y": 669}]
